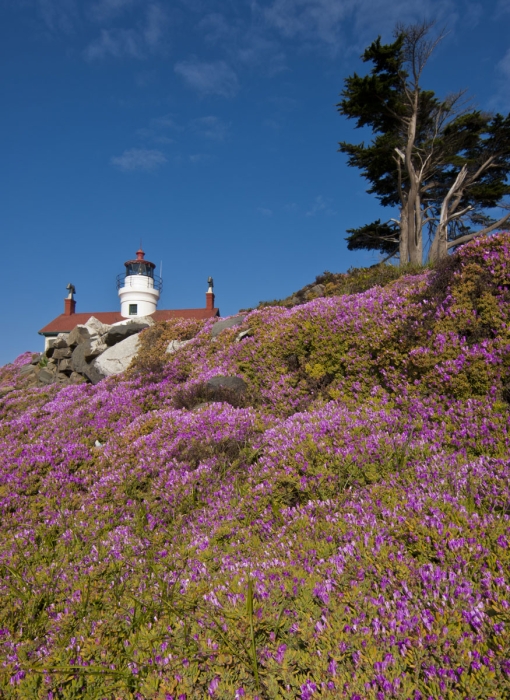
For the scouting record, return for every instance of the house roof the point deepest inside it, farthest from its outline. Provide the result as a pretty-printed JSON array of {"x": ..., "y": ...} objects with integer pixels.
[{"x": 66, "y": 322}]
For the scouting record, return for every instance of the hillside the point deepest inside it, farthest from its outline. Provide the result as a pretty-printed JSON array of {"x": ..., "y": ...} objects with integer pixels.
[{"x": 339, "y": 529}]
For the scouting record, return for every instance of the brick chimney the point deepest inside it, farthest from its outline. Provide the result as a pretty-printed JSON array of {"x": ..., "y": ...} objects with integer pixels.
[
  {"x": 209, "y": 296},
  {"x": 69, "y": 307},
  {"x": 69, "y": 301}
]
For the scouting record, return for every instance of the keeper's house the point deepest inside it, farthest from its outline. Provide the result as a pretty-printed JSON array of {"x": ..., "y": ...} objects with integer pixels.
[{"x": 139, "y": 290}]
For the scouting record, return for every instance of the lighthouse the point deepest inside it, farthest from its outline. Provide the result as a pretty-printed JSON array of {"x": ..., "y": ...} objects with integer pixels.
[{"x": 138, "y": 287}]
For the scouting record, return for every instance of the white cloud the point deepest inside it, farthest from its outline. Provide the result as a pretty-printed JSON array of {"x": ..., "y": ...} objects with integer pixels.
[
  {"x": 139, "y": 159},
  {"x": 59, "y": 15},
  {"x": 210, "y": 128},
  {"x": 264, "y": 211},
  {"x": 165, "y": 140},
  {"x": 246, "y": 42},
  {"x": 117, "y": 43},
  {"x": 307, "y": 18},
  {"x": 504, "y": 65},
  {"x": 199, "y": 157},
  {"x": 321, "y": 205},
  {"x": 156, "y": 24},
  {"x": 107, "y": 9},
  {"x": 216, "y": 78},
  {"x": 133, "y": 42},
  {"x": 165, "y": 122},
  {"x": 334, "y": 23},
  {"x": 215, "y": 28},
  {"x": 501, "y": 99}
]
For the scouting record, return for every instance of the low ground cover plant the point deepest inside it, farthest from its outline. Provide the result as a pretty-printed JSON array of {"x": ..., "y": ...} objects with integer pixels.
[{"x": 343, "y": 532}]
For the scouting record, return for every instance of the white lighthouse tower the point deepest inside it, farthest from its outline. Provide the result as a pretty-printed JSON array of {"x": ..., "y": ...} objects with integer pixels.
[{"x": 139, "y": 288}]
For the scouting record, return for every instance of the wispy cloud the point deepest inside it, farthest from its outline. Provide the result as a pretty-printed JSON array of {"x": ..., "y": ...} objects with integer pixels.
[
  {"x": 167, "y": 121},
  {"x": 504, "y": 65},
  {"x": 137, "y": 42},
  {"x": 155, "y": 26},
  {"x": 215, "y": 28},
  {"x": 117, "y": 43},
  {"x": 334, "y": 23},
  {"x": 263, "y": 211},
  {"x": 215, "y": 78},
  {"x": 139, "y": 159},
  {"x": 246, "y": 42},
  {"x": 501, "y": 100},
  {"x": 210, "y": 127},
  {"x": 108, "y": 9},
  {"x": 59, "y": 15},
  {"x": 199, "y": 157},
  {"x": 321, "y": 205}
]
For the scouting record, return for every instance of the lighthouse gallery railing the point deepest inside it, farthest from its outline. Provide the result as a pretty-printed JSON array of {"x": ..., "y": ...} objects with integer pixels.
[{"x": 138, "y": 280}]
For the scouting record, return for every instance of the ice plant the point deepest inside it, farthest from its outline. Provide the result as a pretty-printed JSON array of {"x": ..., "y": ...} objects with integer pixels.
[{"x": 345, "y": 533}]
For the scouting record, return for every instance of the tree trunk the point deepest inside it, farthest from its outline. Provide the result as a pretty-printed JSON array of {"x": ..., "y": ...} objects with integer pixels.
[
  {"x": 404, "y": 237},
  {"x": 413, "y": 200},
  {"x": 439, "y": 247},
  {"x": 414, "y": 227}
]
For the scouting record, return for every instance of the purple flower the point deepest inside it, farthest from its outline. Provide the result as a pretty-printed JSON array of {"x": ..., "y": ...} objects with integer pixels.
[{"x": 213, "y": 686}]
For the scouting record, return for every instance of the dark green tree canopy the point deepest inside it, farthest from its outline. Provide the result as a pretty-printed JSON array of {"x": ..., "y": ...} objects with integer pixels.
[{"x": 440, "y": 165}]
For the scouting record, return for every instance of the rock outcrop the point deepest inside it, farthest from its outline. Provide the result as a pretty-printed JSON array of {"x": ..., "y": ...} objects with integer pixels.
[
  {"x": 116, "y": 359},
  {"x": 89, "y": 353},
  {"x": 93, "y": 351},
  {"x": 120, "y": 331},
  {"x": 175, "y": 345},
  {"x": 231, "y": 322}
]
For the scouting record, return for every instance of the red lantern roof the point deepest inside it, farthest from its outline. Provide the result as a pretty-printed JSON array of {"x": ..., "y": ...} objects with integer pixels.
[{"x": 140, "y": 257}]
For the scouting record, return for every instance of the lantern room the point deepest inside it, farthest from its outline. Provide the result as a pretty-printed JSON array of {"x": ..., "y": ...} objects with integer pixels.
[{"x": 138, "y": 287}]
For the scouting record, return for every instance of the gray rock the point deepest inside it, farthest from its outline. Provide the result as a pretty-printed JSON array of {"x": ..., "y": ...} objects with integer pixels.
[
  {"x": 175, "y": 345},
  {"x": 231, "y": 383},
  {"x": 147, "y": 320},
  {"x": 46, "y": 377},
  {"x": 65, "y": 365},
  {"x": 95, "y": 327},
  {"x": 117, "y": 359},
  {"x": 28, "y": 369},
  {"x": 117, "y": 333},
  {"x": 62, "y": 379},
  {"x": 244, "y": 334},
  {"x": 204, "y": 404},
  {"x": 316, "y": 291},
  {"x": 80, "y": 365},
  {"x": 61, "y": 353},
  {"x": 227, "y": 323},
  {"x": 60, "y": 342},
  {"x": 36, "y": 358},
  {"x": 93, "y": 348},
  {"x": 4, "y": 390},
  {"x": 79, "y": 334}
]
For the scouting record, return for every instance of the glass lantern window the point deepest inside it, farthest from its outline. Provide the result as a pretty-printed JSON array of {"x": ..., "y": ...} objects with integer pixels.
[{"x": 139, "y": 268}]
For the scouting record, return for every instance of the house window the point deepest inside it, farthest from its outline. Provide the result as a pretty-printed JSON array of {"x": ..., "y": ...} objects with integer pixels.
[{"x": 133, "y": 309}]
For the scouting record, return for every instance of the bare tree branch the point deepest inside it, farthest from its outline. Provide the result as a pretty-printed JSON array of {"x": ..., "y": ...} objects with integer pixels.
[{"x": 475, "y": 234}]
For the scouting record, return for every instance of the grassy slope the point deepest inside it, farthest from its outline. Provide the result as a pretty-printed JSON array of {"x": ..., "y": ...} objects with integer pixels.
[{"x": 343, "y": 531}]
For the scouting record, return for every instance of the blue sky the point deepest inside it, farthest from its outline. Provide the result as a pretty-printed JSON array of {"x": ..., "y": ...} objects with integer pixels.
[{"x": 206, "y": 128}]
